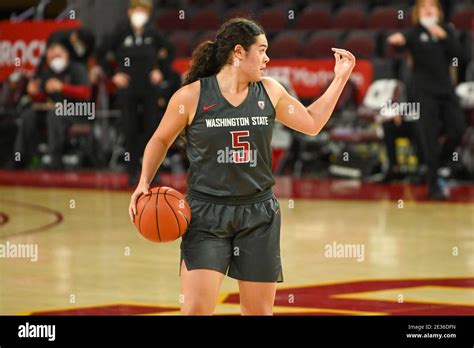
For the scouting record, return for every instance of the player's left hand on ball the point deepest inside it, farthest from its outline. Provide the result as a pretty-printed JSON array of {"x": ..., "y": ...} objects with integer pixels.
[
  {"x": 142, "y": 189},
  {"x": 345, "y": 62}
]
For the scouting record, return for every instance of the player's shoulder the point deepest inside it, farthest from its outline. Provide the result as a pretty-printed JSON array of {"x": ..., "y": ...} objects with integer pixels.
[
  {"x": 270, "y": 82},
  {"x": 188, "y": 93},
  {"x": 272, "y": 86}
]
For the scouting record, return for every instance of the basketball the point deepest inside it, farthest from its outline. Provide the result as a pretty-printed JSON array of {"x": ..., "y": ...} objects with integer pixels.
[{"x": 162, "y": 216}]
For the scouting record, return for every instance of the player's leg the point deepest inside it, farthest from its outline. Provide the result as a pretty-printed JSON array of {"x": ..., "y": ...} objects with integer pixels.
[
  {"x": 199, "y": 290},
  {"x": 256, "y": 298},
  {"x": 256, "y": 262},
  {"x": 205, "y": 256}
]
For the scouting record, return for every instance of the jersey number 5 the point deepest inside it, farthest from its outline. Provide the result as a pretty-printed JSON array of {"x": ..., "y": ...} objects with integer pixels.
[{"x": 241, "y": 148}]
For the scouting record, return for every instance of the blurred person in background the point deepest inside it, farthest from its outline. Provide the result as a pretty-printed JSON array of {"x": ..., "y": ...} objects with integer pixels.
[
  {"x": 80, "y": 43},
  {"x": 143, "y": 63},
  {"x": 288, "y": 160},
  {"x": 11, "y": 92},
  {"x": 400, "y": 127},
  {"x": 57, "y": 79},
  {"x": 433, "y": 45}
]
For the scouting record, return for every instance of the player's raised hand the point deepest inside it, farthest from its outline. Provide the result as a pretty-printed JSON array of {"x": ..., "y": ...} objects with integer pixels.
[{"x": 345, "y": 62}]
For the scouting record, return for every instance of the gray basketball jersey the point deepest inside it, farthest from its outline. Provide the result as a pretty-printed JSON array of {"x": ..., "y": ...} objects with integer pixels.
[{"x": 229, "y": 148}]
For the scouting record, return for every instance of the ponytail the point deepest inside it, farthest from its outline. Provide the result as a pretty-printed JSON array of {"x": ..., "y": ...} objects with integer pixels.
[
  {"x": 204, "y": 62},
  {"x": 210, "y": 56}
]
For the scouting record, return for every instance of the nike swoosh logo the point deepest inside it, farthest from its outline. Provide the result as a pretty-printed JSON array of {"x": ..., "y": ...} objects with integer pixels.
[{"x": 205, "y": 108}]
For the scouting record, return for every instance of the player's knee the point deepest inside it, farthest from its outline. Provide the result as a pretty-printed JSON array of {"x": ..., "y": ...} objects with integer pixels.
[
  {"x": 192, "y": 307},
  {"x": 260, "y": 309}
]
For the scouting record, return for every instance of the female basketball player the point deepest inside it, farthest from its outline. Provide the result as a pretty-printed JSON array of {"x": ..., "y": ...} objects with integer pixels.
[{"x": 228, "y": 109}]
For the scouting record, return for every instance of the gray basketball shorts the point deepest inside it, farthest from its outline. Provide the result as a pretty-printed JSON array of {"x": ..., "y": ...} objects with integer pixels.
[{"x": 239, "y": 240}]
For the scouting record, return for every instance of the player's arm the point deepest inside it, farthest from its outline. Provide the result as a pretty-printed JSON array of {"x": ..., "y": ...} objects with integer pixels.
[
  {"x": 173, "y": 122},
  {"x": 310, "y": 120}
]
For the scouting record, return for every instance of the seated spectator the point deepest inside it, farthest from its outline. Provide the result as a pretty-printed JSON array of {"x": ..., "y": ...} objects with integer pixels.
[
  {"x": 399, "y": 127},
  {"x": 11, "y": 92},
  {"x": 57, "y": 80},
  {"x": 80, "y": 43}
]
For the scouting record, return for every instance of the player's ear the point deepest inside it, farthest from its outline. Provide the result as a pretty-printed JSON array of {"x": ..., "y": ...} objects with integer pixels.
[{"x": 239, "y": 51}]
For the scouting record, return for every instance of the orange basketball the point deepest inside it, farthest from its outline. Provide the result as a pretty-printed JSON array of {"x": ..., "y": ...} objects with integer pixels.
[{"x": 163, "y": 216}]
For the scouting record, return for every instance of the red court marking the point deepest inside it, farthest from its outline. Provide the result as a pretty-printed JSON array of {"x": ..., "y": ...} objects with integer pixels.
[
  {"x": 285, "y": 187},
  {"x": 118, "y": 309},
  {"x": 317, "y": 296},
  {"x": 3, "y": 218},
  {"x": 58, "y": 217},
  {"x": 322, "y": 297}
]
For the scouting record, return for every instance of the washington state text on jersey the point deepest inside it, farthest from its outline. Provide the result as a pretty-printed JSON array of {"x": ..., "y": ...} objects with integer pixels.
[{"x": 237, "y": 121}]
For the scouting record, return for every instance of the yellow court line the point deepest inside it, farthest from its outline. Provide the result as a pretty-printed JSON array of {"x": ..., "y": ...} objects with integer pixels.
[
  {"x": 173, "y": 311},
  {"x": 288, "y": 287},
  {"x": 283, "y": 310}
]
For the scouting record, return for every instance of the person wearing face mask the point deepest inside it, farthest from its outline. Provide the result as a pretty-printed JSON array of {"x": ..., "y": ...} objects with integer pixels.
[
  {"x": 56, "y": 80},
  {"x": 143, "y": 61},
  {"x": 433, "y": 45},
  {"x": 80, "y": 42}
]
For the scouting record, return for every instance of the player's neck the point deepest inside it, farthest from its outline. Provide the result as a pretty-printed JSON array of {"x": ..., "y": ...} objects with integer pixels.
[{"x": 230, "y": 80}]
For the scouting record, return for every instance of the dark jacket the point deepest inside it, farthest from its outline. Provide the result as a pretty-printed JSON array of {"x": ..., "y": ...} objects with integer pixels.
[
  {"x": 76, "y": 86},
  {"x": 136, "y": 55},
  {"x": 432, "y": 59}
]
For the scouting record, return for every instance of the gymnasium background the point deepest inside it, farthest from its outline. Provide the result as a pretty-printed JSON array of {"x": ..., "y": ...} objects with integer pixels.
[{"x": 333, "y": 188}]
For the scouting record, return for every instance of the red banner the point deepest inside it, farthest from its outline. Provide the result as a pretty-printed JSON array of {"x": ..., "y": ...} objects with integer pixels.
[
  {"x": 23, "y": 43},
  {"x": 308, "y": 76}
]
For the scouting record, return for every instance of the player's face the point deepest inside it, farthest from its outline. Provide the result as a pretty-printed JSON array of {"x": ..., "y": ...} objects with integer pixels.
[
  {"x": 428, "y": 8},
  {"x": 256, "y": 59}
]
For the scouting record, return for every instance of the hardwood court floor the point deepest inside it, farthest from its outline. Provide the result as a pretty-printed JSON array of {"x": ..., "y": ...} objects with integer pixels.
[{"x": 418, "y": 259}]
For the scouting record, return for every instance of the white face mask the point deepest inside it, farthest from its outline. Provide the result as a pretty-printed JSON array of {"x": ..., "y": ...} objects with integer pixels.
[
  {"x": 58, "y": 64},
  {"x": 138, "y": 19},
  {"x": 428, "y": 22}
]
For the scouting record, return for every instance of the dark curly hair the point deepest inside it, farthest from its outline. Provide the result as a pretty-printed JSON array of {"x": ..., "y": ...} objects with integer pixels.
[{"x": 210, "y": 56}]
